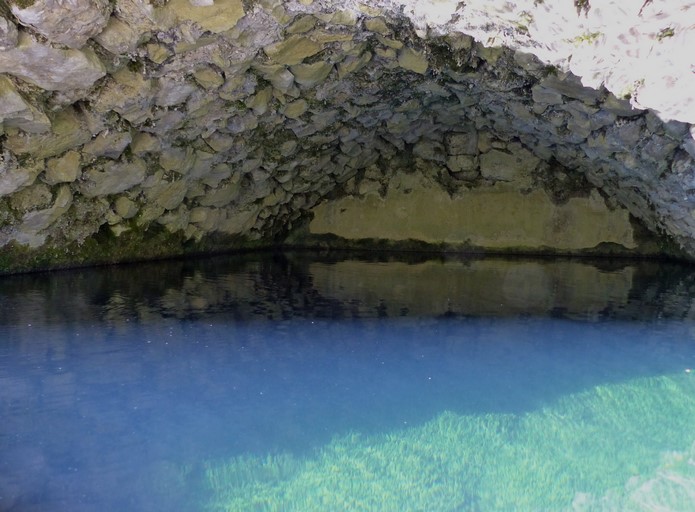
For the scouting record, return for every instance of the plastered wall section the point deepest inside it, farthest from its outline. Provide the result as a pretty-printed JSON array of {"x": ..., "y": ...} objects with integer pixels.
[{"x": 499, "y": 216}]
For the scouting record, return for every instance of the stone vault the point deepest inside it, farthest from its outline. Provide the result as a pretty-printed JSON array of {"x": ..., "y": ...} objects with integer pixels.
[{"x": 139, "y": 129}]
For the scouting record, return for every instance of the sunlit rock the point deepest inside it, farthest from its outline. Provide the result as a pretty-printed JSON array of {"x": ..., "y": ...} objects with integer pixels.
[
  {"x": 69, "y": 69},
  {"x": 68, "y": 23},
  {"x": 8, "y": 34}
]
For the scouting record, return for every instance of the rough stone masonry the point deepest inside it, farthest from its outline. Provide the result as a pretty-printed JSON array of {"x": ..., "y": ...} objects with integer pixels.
[{"x": 147, "y": 128}]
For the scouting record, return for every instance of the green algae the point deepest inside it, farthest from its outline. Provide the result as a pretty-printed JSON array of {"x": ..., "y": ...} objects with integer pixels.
[
  {"x": 104, "y": 248},
  {"x": 608, "y": 448}
]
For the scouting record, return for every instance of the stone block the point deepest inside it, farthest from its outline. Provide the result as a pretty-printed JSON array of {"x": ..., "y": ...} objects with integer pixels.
[
  {"x": 392, "y": 44},
  {"x": 221, "y": 196},
  {"x": 51, "y": 68},
  {"x": 208, "y": 78},
  {"x": 118, "y": 37},
  {"x": 689, "y": 146},
  {"x": 241, "y": 124},
  {"x": 67, "y": 132},
  {"x": 113, "y": 178},
  {"x": 412, "y": 60},
  {"x": 341, "y": 17},
  {"x": 15, "y": 111},
  {"x": 279, "y": 76},
  {"x": 323, "y": 37},
  {"x": 571, "y": 86},
  {"x": 126, "y": 208},
  {"x": 529, "y": 62},
  {"x": 8, "y": 34},
  {"x": 579, "y": 125},
  {"x": 293, "y": 50},
  {"x": 107, "y": 144},
  {"x": 144, "y": 143},
  {"x": 503, "y": 166},
  {"x": 168, "y": 195},
  {"x": 64, "y": 169},
  {"x": 128, "y": 93},
  {"x": 239, "y": 220},
  {"x": 353, "y": 64},
  {"x": 621, "y": 108},
  {"x": 465, "y": 143},
  {"x": 68, "y": 23},
  {"x": 546, "y": 96},
  {"x": 172, "y": 92},
  {"x": 259, "y": 101},
  {"x": 430, "y": 150},
  {"x": 601, "y": 118},
  {"x": 309, "y": 75},
  {"x": 13, "y": 177},
  {"x": 202, "y": 165},
  {"x": 295, "y": 109},
  {"x": 625, "y": 134},
  {"x": 377, "y": 25},
  {"x": 36, "y": 221},
  {"x": 218, "y": 17},
  {"x": 158, "y": 53},
  {"x": 463, "y": 164},
  {"x": 34, "y": 197},
  {"x": 217, "y": 174},
  {"x": 199, "y": 214},
  {"x": 302, "y": 24},
  {"x": 177, "y": 159},
  {"x": 143, "y": 17}
]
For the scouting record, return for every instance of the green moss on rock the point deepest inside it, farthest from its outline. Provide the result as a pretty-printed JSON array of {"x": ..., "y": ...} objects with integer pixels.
[
  {"x": 105, "y": 248},
  {"x": 22, "y": 4}
]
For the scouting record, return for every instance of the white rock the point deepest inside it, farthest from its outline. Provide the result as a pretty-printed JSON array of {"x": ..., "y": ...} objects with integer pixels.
[
  {"x": 51, "y": 68},
  {"x": 69, "y": 23},
  {"x": 8, "y": 34}
]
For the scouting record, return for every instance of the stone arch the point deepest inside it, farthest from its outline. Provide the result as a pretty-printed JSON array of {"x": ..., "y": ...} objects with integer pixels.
[{"x": 195, "y": 126}]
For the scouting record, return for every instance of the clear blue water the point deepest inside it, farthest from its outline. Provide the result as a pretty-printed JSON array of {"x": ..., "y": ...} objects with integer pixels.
[{"x": 127, "y": 388}]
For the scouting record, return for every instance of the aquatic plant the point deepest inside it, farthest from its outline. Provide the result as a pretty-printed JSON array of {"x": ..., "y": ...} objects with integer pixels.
[{"x": 608, "y": 448}]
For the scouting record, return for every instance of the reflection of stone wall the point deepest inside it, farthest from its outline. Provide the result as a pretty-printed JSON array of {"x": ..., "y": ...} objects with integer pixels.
[
  {"x": 138, "y": 129},
  {"x": 276, "y": 288},
  {"x": 476, "y": 288}
]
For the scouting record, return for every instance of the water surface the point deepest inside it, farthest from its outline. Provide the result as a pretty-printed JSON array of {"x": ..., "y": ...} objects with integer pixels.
[{"x": 290, "y": 382}]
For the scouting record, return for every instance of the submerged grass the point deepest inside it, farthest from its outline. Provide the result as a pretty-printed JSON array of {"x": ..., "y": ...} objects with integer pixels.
[{"x": 608, "y": 448}]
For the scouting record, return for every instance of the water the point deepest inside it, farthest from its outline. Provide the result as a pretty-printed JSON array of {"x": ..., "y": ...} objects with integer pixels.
[{"x": 285, "y": 382}]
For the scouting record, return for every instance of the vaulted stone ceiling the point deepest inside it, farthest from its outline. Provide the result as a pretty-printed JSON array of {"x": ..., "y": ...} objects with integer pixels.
[{"x": 136, "y": 129}]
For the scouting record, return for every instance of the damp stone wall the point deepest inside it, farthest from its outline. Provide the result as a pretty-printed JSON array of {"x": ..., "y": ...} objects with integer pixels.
[{"x": 135, "y": 129}]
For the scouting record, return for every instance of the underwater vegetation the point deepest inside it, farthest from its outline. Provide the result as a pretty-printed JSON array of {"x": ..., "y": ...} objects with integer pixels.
[{"x": 627, "y": 446}]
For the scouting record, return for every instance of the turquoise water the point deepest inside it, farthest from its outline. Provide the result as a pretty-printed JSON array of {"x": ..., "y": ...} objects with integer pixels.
[{"x": 286, "y": 382}]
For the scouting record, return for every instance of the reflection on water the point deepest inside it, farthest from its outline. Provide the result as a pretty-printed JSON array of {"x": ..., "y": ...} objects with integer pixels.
[{"x": 190, "y": 385}]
